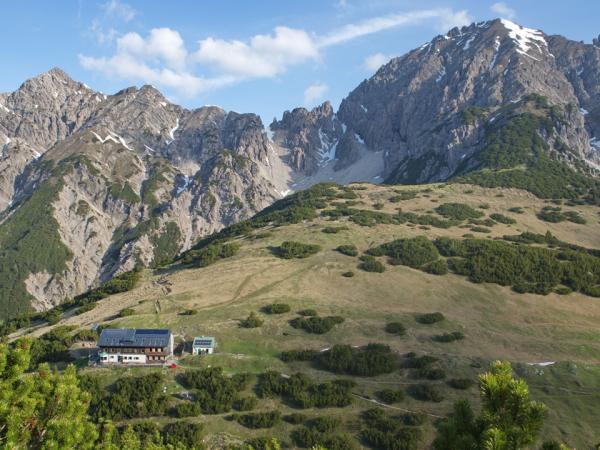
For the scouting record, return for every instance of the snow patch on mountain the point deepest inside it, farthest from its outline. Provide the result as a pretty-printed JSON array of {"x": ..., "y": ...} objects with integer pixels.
[{"x": 525, "y": 38}]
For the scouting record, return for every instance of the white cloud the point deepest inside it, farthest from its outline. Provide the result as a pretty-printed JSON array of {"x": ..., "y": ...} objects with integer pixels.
[
  {"x": 315, "y": 92},
  {"x": 264, "y": 56},
  {"x": 122, "y": 11},
  {"x": 503, "y": 10},
  {"x": 375, "y": 61},
  {"x": 161, "y": 58}
]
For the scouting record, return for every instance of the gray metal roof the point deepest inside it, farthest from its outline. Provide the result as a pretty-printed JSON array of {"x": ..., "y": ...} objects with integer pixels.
[
  {"x": 123, "y": 337},
  {"x": 204, "y": 341}
]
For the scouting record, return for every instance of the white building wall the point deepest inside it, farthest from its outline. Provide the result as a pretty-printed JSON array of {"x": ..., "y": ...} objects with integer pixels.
[{"x": 127, "y": 358}]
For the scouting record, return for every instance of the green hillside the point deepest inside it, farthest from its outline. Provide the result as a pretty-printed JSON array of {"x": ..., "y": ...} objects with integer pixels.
[{"x": 404, "y": 293}]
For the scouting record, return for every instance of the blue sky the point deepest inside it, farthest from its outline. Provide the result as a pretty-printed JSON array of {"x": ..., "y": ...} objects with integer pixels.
[{"x": 249, "y": 56}]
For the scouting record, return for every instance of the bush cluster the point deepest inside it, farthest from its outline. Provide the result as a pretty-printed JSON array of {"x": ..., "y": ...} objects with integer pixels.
[
  {"x": 458, "y": 211},
  {"x": 367, "y": 361},
  {"x": 258, "y": 420},
  {"x": 427, "y": 393},
  {"x": 461, "y": 383},
  {"x": 316, "y": 324},
  {"x": 292, "y": 249},
  {"x": 303, "y": 392},
  {"x": 322, "y": 432},
  {"x": 395, "y": 328},
  {"x": 449, "y": 337},
  {"x": 276, "y": 308},
  {"x": 390, "y": 396},
  {"x": 527, "y": 268},
  {"x": 391, "y": 432},
  {"x": 128, "y": 398},
  {"x": 333, "y": 230},
  {"x": 412, "y": 252},
  {"x": 370, "y": 264},
  {"x": 215, "y": 392},
  {"x": 556, "y": 214},
  {"x": 501, "y": 218},
  {"x": 308, "y": 312},
  {"x": 348, "y": 249},
  {"x": 210, "y": 254},
  {"x": 252, "y": 321},
  {"x": 430, "y": 318}
]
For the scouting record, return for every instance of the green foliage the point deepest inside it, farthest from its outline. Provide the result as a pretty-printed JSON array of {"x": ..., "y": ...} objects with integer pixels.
[
  {"x": 316, "y": 324},
  {"x": 126, "y": 312},
  {"x": 437, "y": 267},
  {"x": 210, "y": 254},
  {"x": 299, "y": 355},
  {"x": 301, "y": 391},
  {"x": 292, "y": 249},
  {"x": 245, "y": 403},
  {"x": 166, "y": 245},
  {"x": 430, "y": 318},
  {"x": 259, "y": 420},
  {"x": 528, "y": 269},
  {"x": 30, "y": 243},
  {"x": 131, "y": 397},
  {"x": 182, "y": 434},
  {"x": 333, "y": 230},
  {"x": 348, "y": 274},
  {"x": 123, "y": 192},
  {"x": 215, "y": 392},
  {"x": 508, "y": 419},
  {"x": 368, "y": 361},
  {"x": 478, "y": 229},
  {"x": 430, "y": 373},
  {"x": 276, "y": 308},
  {"x": 426, "y": 393},
  {"x": 515, "y": 155},
  {"x": 449, "y": 337},
  {"x": 390, "y": 396},
  {"x": 502, "y": 218},
  {"x": 458, "y": 211},
  {"x": 395, "y": 328},
  {"x": 516, "y": 209},
  {"x": 295, "y": 418},
  {"x": 370, "y": 264},
  {"x": 321, "y": 432},
  {"x": 472, "y": 114},
  {"x": 308, "y": 312},
  {"x": 188, "y": 312},
  {"x": 461, "y": 383},
  {"x": 556, "y": 214},
  {"x": 252, "y": 321},
  {"x": 412, "y": 252},
  {"x": 391, "y": 433},
  {"x": 348, "y": 249},
  {"x": 44, "y": 409}
]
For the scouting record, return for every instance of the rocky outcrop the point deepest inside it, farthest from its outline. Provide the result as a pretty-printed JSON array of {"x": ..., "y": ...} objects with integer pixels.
[{"x": 425, "y": 109}]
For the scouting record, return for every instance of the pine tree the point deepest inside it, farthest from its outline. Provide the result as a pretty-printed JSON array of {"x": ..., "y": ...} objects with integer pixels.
[{"x": 509, "y": 420}]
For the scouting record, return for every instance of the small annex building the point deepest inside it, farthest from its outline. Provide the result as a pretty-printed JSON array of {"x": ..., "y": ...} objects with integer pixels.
[
  {"x": 133, "y": 346},
  {"x": 203, "y": 345}
]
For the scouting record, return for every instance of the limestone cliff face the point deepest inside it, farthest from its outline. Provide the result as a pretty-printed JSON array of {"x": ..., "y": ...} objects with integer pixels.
[{"x": 139, "y": 178}]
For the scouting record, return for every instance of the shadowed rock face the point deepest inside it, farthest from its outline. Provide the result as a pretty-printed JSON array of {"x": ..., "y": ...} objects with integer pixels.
[{"x": 140, "y": 179}]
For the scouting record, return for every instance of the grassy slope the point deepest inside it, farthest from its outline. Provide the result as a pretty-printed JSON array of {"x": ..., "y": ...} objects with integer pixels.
[{"x": 498, "y": 323}]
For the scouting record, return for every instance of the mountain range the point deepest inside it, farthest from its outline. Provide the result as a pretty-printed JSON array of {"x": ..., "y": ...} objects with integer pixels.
[{"x": 92, "y": 185}]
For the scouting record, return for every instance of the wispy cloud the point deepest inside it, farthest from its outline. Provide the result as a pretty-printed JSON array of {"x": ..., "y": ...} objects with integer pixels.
[
  {"x": 446, "y": 18},
  {"x": 314, "y": 93},
  {"x": 119, "y": 10},
  {"x": 503, "y": 10},
  {"x": 375, "y": 61},
  {"x": 162, "y": 58}
]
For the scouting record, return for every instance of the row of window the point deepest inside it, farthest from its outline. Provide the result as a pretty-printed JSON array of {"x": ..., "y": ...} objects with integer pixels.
[{"x": 133, "y": 350}]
